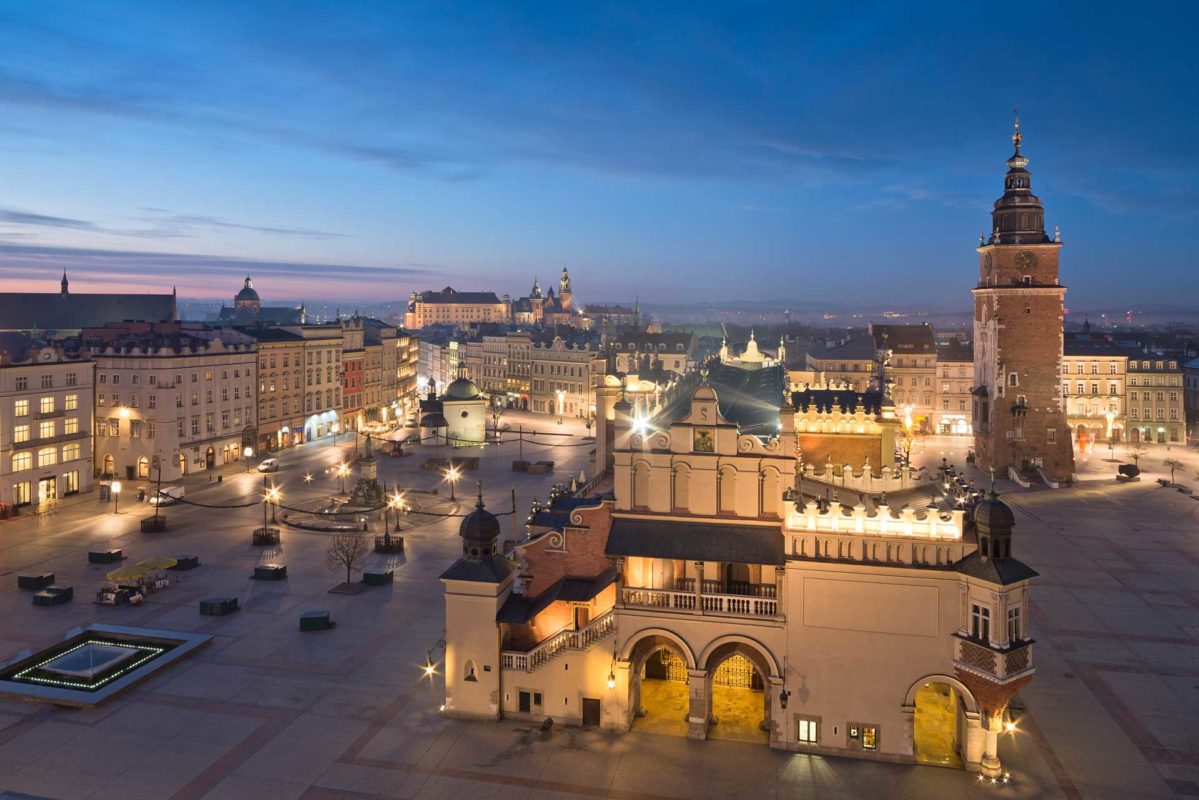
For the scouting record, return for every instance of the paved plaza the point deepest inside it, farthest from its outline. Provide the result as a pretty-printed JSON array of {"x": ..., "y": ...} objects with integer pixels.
[{"x": 268, "y": 712}]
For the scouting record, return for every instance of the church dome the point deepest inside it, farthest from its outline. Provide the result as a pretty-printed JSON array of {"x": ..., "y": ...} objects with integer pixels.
[
  {"x": 479, "y": 530},
  {"x": 247, "y": 293},
  {"x": 461, "y": 389},
  {"x": 992, "y": 514}
]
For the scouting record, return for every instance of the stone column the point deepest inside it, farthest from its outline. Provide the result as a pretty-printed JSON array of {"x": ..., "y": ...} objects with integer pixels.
[
  {"x": 699, "y": 586},
  {"x": 699, "y": 710},
  {"x": 992, "y": 723}
]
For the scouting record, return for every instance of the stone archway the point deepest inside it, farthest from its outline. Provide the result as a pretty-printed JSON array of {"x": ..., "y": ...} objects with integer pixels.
[
  {"x": 738, "y": 689},
  {"x": 946, "y": 725},
  {"x": 659, "y": 667}
]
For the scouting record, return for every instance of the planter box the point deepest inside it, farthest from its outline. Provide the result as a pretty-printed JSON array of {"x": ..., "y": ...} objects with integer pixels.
[
  {"x": 218, "y": 606},
  {"x": 378, "y": 578},
  {"x": 315, "y": 621},
  {"x": 54, "y": 595},
  {"x": 184, "y": 563},
  {"x": 105, "y": 556},
  {"x": 270, "y": 572},
  {"x": 520, "y": 466},
  {"x": 35, "y": 582}
]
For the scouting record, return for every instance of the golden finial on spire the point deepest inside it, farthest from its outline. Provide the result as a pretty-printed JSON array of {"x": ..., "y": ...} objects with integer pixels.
[{"x": 1016, "y": 137}]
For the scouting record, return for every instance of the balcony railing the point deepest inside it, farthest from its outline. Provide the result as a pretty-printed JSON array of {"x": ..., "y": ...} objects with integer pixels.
[
  {"x": 733, "y": 587},
  {"x": 740, "y": 605},
  {"x": 581, "y": 639}
]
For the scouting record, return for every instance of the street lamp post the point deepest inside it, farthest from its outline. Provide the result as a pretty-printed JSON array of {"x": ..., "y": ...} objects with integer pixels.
[
  {"x": 561, "y": 404},
  {"x": 116, "y": 495},
  {"x": 342, "y": 469},
  {"x": 452, "y": 475},
  {"x": 248, "y": 453}
]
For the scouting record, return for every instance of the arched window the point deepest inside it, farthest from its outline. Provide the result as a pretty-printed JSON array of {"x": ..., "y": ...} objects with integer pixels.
[
  {"x": 469, "y": 672},
  {"x": 641, "y": 485},
  {"x": 771, "y": 493},
  {"x": 727, "y": 491},
  {"x": 682, "y": 488}
]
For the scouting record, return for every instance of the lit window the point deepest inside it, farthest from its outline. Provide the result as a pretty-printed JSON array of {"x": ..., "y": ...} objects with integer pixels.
[
  {"x": 70, "y": 425},
  {"x": 45, "y": 429},
  {"x": 20, "y": 433},
  {"x": 1014, "y": 629},
  {"x": 46, "y": 405},
  {"x": 47, "y": 456},
  {"x": 808, "y": 730},
  {"x": 980, "y": 621},
  {"x": 71, "y": 402},
  {"x": 22, "y": 461}
]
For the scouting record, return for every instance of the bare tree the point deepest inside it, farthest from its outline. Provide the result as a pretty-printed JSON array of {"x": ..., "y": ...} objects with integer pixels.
[
  {"x": 346, "y": 549},
  {"x": 1135, "y": 451},
  {"x": 1173, "y": 465}
]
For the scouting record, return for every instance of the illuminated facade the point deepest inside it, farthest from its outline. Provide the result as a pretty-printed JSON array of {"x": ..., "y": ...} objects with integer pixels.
[{"x": 703, "y": 598}]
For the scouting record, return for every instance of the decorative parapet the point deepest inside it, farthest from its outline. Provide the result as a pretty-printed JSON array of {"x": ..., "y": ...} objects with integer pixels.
[
  {"x": 883, "y": 521},
  {"x": 865, "y": 478}
]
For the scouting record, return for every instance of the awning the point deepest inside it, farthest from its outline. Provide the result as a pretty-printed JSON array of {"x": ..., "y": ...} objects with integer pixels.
[{"x": 736, "y": 543}]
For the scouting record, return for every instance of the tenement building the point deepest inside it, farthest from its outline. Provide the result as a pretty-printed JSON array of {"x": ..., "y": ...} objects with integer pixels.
[
  {"x": 173, "y": 396},
  {"x": 1156, "y": 410},
  {"x": 45, "y": 421},
  {"x": 1018, "y": 411},
  {"x": 1093, "y": 389},
  {"x": 702, "y": 597}
]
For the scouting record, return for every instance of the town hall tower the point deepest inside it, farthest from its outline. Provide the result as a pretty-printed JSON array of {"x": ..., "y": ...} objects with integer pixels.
[{"x": 1019, "y": 415}]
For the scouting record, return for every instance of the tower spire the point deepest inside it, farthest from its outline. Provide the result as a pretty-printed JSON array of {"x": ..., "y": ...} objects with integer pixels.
[{"x": 1016, "y": 137}]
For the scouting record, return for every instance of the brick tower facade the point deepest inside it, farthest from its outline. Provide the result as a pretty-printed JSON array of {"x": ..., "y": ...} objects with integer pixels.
[{"x": 1019, "y": 416}]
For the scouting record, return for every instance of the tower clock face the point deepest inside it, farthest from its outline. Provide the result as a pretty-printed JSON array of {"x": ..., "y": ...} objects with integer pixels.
[{"x": 1026, "y": 260}]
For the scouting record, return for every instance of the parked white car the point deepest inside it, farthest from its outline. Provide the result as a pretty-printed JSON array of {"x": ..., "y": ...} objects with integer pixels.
[
  {"x": 270, "y": 465},
  {"x": 169, "y": 495}
]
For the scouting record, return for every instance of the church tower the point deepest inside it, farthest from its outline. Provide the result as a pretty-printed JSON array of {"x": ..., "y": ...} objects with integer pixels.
[
  {"x": 565, "y": 295},
  {"x": 1019, "y": 308}
]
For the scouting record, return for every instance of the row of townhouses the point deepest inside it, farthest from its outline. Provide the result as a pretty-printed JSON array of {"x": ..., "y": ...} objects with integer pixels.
[{"x": 133, "y": 400}]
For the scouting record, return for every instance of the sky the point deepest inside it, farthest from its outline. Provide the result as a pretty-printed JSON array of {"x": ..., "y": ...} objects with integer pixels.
[{"x": 681, "y": 152}]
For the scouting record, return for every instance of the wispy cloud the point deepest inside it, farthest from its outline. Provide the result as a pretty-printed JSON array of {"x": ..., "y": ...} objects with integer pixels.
[
  {"x": 162, "y": 224},
  {"x": 38, "y": 262},
  {"x": 170, "y": 221}
]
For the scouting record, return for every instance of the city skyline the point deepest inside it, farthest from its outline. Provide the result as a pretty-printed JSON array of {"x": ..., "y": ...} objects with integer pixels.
[{"x": 761, "y": 154}]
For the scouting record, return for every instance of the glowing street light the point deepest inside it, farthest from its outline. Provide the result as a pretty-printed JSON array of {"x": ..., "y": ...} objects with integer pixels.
[
  {"x": 561, "y": 404},
  {"x": 452, "y": 475},
  {"x": 116, "y": 495},
  {"x": 342, "y": 470},
  {"x": 273, "y": 496},
  {"x": 248, "y": 453},
  {"x": 307, "y": 477},
  {"x": 430, "y": 667}
]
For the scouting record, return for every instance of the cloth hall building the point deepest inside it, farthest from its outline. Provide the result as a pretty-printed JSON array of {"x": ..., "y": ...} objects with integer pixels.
[{"x": 703, "y": 596}]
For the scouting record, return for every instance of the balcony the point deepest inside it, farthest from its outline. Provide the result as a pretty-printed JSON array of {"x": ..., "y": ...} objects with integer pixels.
[
  {"x": 1001, "y": 664},
  {"x": 702, "y": 602},
  {"x": 554, "y": 646},
  {"x": 50, "y": 414}
]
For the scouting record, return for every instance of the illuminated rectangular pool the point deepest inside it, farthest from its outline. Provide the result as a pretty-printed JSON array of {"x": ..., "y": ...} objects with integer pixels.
[{"x": 92, "y": 664}]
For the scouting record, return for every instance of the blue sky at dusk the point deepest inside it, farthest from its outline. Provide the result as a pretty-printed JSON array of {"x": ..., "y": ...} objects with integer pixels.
[{"x": 355, "y": 150}]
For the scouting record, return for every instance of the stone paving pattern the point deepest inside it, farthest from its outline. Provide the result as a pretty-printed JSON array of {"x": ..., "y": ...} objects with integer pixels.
[{"x": 268, "y": 712}]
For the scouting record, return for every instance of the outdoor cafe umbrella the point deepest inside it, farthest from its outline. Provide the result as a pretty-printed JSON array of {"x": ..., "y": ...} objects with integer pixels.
[
  {"x": 157, "y": 563},
  {"x": 129, "y": 573}
]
